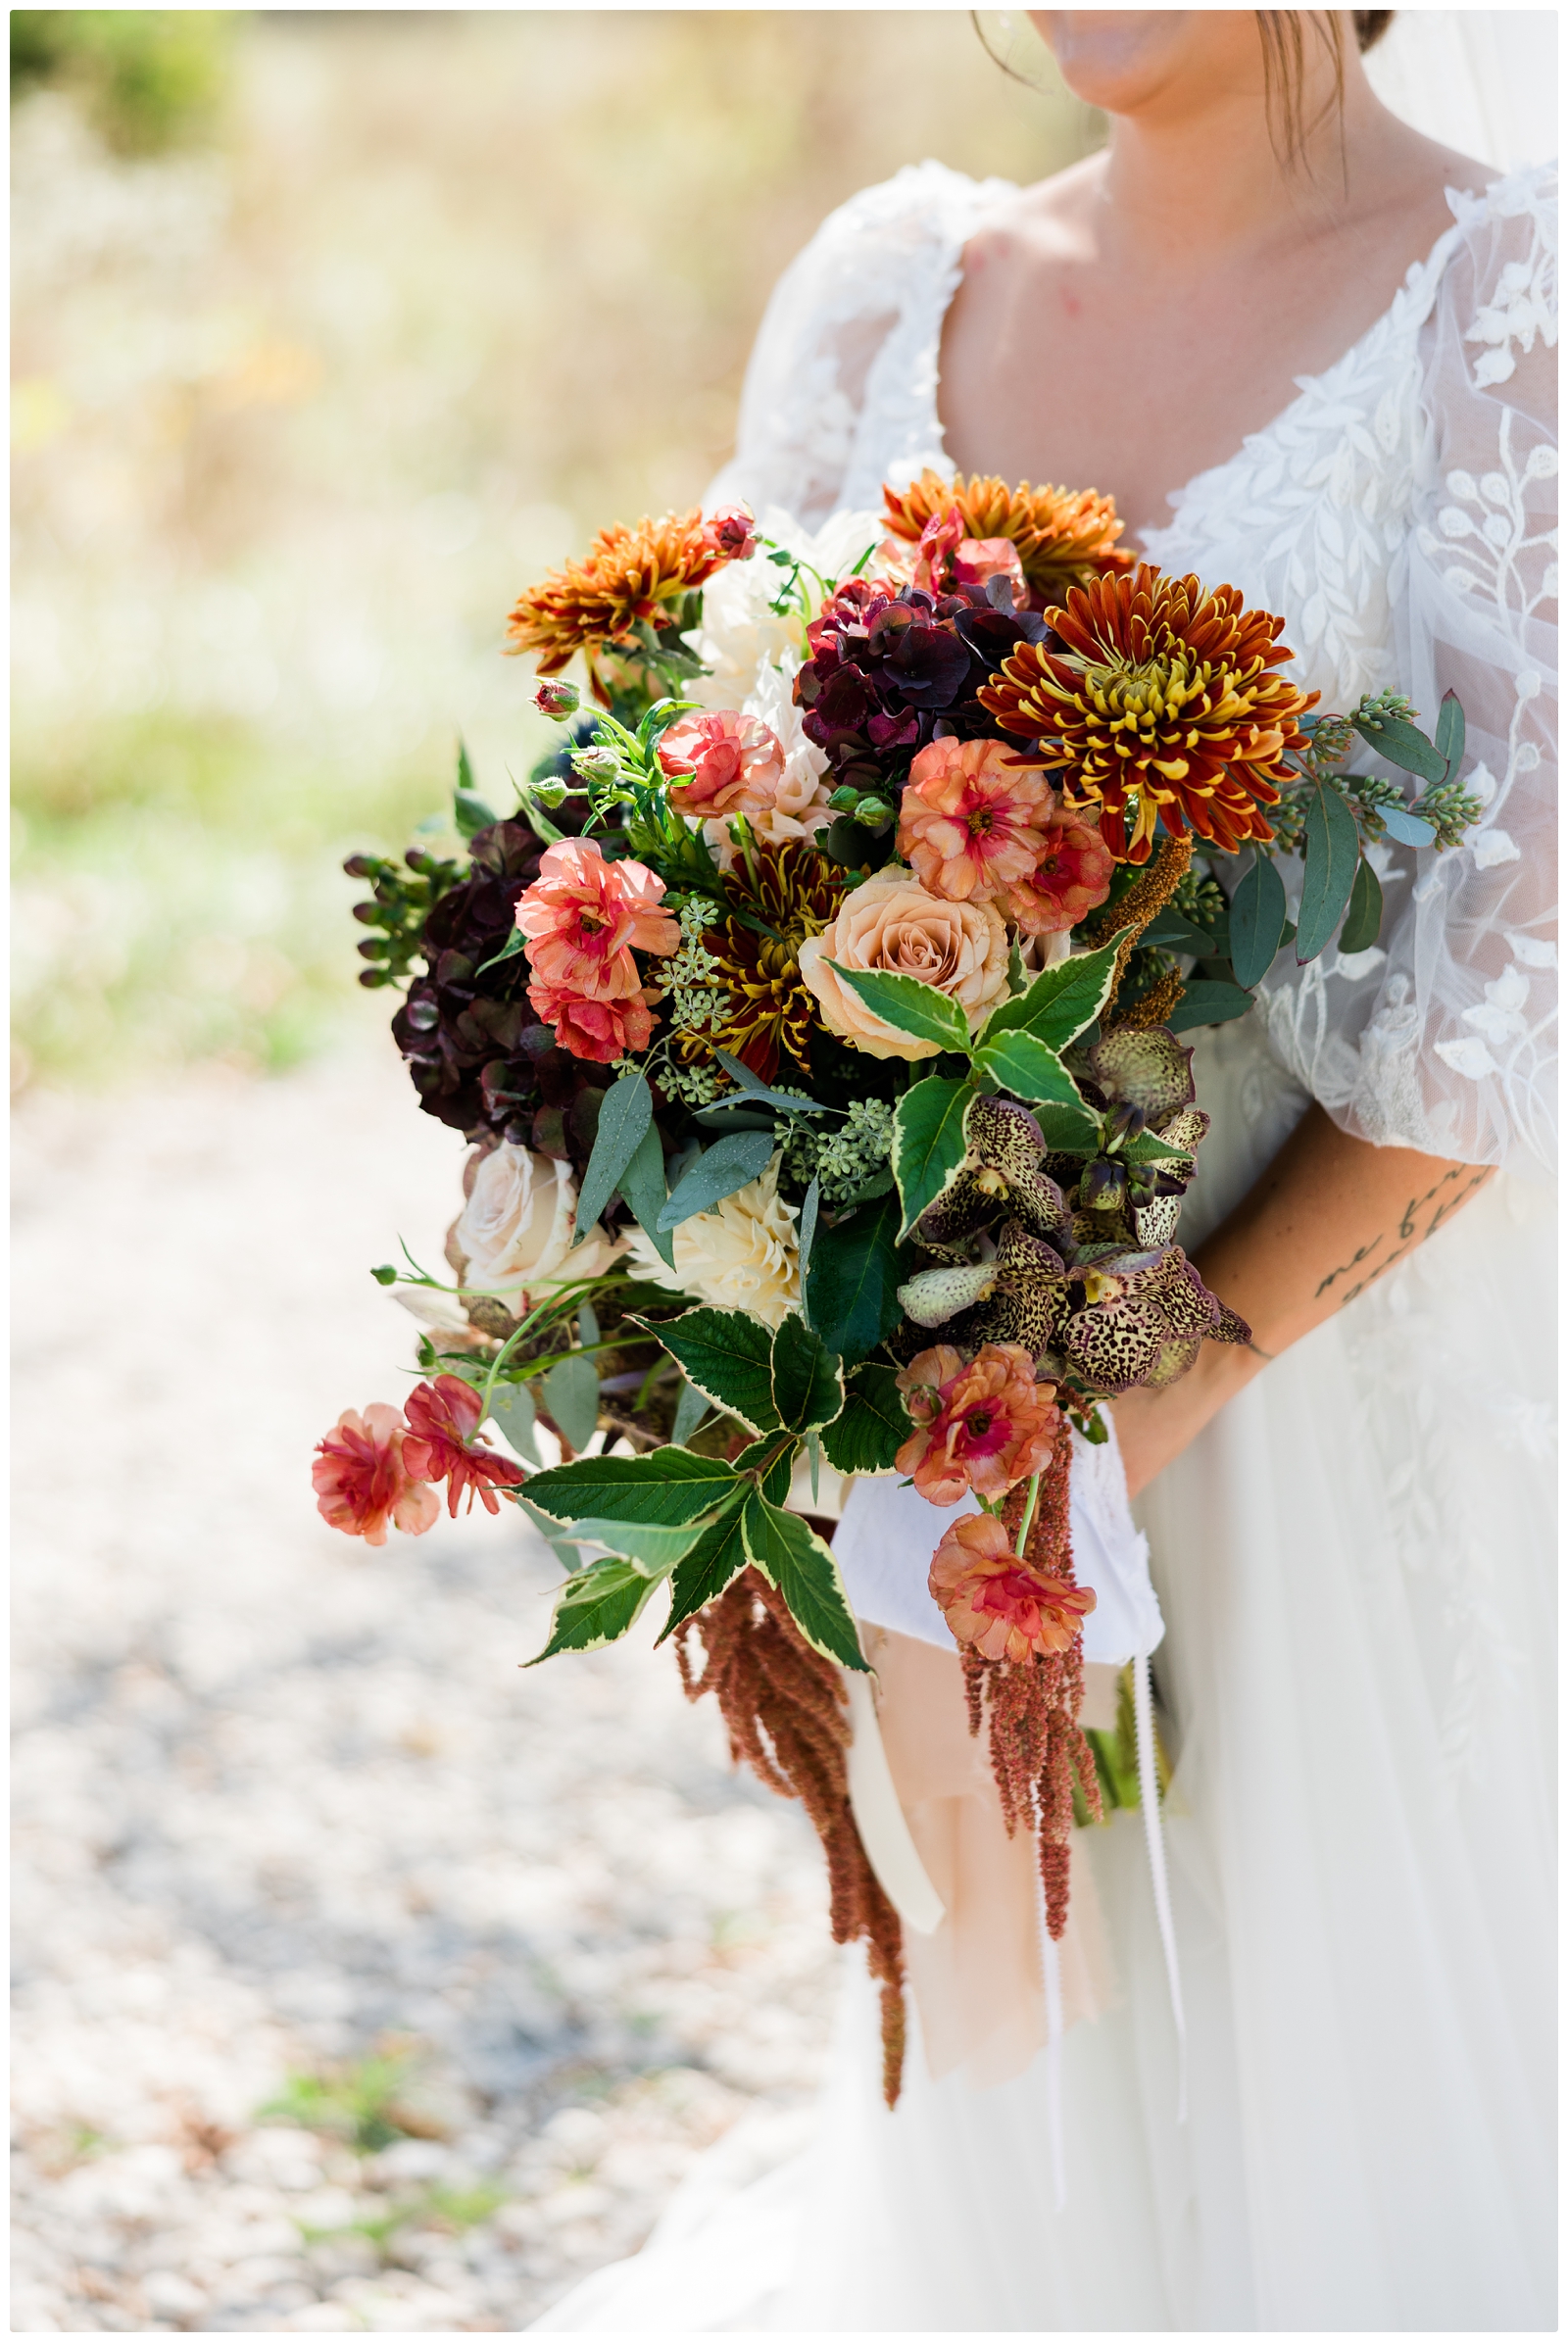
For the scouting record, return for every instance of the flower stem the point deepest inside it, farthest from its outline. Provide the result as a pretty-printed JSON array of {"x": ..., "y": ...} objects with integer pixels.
[{"x": 1028, "y": 1521}]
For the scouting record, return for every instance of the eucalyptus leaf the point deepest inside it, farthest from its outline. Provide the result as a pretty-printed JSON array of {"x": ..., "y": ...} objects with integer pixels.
[
  {"x": 1333, "y": 851},
  {"x": 1405, "y": 828},
  {"x": 642, "y": 1183},
  {"x": 1364, "y": 917},
  {"x": 1447, "y": 733},
  {"x": 1259, "y": 913},
  {"x": 908, "y": 1005},
  {"x": 692, "y": 1409},
  {"x": 571, "y": 1391},
  {"x": 753, "y": 1092},
  {"x": 624, "y": 1119},
  {"x": 722, "y": 1170},
  {"x": 1404, "y": 745},
  {"x": 1208, "y": 1004},
  {"x": 806, "y": 1237},
  {"x": 512, "y": 1407}
]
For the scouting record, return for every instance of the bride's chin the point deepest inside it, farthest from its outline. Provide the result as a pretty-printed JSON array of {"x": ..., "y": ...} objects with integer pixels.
[{"x": 1123, "y": 60}]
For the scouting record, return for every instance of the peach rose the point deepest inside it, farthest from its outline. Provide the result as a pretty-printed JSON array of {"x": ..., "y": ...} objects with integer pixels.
[
  {"x": 515, "y": 1233},
  {"x": 892, "y": 923}
]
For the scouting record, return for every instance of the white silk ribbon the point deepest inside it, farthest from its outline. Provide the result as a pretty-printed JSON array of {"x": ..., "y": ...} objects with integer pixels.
[
  {"x": 879, "y": 1817},
  {"x": 1149, "y": 1794}
]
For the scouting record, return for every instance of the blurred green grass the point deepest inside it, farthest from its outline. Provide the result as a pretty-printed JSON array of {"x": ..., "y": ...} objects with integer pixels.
[{"x": 314, "y": 371}]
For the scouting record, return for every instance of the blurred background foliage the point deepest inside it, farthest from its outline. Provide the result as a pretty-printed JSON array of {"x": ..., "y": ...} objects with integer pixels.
[{"x": 329, "y": 332}]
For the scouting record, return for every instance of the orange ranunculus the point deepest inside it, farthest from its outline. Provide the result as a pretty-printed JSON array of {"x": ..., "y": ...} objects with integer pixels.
[
  {"x": 1071, "y": 878},
  {"x": 584, "y": 917},
  {"x": 1154, "y": 699},
  {"x": 629, "y": 574},
  {"x": 443, "y": 1443},
  {"x": 996, "y": 1602},
  {"x": 982, "y": 1427},
  {"x": 363, "y": 1480},
  {"x": 970, "y": 823},
  {"x": 721, "y": 764},
  {"x": 1064, "y": 536},
  {"x": 601, "y": 1031}
]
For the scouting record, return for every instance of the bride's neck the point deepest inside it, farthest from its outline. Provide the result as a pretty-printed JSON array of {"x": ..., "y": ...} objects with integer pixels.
[{"x": 1185, "y": 185}]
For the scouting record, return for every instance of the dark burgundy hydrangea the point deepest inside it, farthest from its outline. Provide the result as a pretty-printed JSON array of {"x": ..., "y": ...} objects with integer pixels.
[
  {"x": 891, "y": 669},
  {"x": 481, "y": 1059}
]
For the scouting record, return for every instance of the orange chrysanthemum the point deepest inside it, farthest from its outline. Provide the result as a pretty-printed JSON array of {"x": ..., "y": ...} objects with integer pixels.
[
  {"x": 625, "y": 575},
  {"x": 1158, "y": 701},
  {"x": 1064, "y": 536}
]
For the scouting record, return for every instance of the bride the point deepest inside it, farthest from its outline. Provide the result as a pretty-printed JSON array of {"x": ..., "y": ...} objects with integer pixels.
[{"x": 1310, "y": 353}]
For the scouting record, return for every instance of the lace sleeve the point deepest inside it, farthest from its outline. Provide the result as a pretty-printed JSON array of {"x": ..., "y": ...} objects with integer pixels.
[
  {"x": 839, "y": 393},
  {"x": 1443, "y": 1039}
]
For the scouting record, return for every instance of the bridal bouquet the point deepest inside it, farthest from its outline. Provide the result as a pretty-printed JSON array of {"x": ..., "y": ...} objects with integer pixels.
[{"x": 816, "y": 1018}]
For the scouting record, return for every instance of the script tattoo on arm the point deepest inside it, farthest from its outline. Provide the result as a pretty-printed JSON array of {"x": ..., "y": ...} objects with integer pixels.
[{"x": 1421, "y": 1218}]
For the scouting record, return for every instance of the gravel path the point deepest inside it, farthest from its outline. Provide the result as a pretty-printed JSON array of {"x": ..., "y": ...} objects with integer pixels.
[{"x": 287, "y": 1807}]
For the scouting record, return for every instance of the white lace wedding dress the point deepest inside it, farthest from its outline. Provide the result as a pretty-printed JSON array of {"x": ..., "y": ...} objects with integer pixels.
[{"x": 1356, "y": 1561}]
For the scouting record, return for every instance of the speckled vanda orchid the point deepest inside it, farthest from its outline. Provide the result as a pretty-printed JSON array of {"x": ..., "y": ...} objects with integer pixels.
[{"x": 1074, "y": 1287}]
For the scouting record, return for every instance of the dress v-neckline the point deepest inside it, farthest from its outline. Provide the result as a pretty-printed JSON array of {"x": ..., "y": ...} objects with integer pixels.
[{"x": 1421, "y": 276}]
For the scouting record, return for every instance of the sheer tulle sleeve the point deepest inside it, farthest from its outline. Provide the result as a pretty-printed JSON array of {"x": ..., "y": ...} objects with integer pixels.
[
  {"x": 841, "y": 390},
  {"x": 1443, "y": 1039}
]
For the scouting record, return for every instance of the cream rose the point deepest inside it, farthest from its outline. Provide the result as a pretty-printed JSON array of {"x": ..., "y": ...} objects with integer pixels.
[
  {"x": 892, "y": 923},
  {"x": 515, "y": 1231},
  {"x": 742, "y": 1254}
]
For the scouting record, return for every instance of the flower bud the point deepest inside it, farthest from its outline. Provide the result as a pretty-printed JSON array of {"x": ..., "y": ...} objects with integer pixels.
[
  {"x": 596, "y": 763},
  {"x": 937, "y": 1294},
  {"x": 732, "y": 532},
  {"x": 556, "y": 700},
  {"x": 1103, "y": 1186}
]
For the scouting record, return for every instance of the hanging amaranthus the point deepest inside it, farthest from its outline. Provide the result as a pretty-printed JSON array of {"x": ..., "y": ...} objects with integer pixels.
[
  {"x": 1036, "y": 1748},
  {"x": 787, "y": 1716}
]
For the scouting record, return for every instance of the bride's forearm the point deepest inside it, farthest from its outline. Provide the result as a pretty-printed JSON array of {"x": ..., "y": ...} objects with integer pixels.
[{"x": 1329, "y": 1217}]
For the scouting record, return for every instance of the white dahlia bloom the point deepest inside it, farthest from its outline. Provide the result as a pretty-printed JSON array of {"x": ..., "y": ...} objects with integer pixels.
[{"x": 742, "y": 1254}]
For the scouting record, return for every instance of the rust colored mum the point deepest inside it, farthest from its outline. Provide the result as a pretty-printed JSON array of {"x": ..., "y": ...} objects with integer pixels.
[
  {"x": 1064, "y": 536},
  {"x": 795, "y": 890},
  {"x": 443, "y": 1443},
  {"x": 1157, "y": 701},
  {"x": 995, "y": 1603},
  {"x": 981, "y": 1426},
  {"x": 625, "y": 576},
  {"x": 362, "y": 1478}
]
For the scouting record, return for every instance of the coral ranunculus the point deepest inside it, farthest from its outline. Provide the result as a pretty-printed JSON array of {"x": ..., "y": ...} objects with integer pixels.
[
  {"x": 442, "y": 1443},
  {"x": 1071, "y": 878},
  {"x": 982, "y": 1427},
  {"x": 1156, "y": 699},
  {"x": 584, "y": 917},
  {"x": 601, "y": 1031},
  {"x": 970, "y": 822},
  {"x": 362, "y": 1478},
  {"x": 997, "y": 1604},
  {"x": 721, "y": 764}
]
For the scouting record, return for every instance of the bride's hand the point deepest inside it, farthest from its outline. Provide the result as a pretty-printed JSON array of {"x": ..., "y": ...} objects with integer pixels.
[{"x": 1328, "y": 1217}]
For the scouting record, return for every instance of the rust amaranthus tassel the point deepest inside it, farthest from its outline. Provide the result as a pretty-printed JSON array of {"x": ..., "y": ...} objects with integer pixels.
[
  {"x": 785, "y": 1710},
  {"x": 1036, "y": 1748}
]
